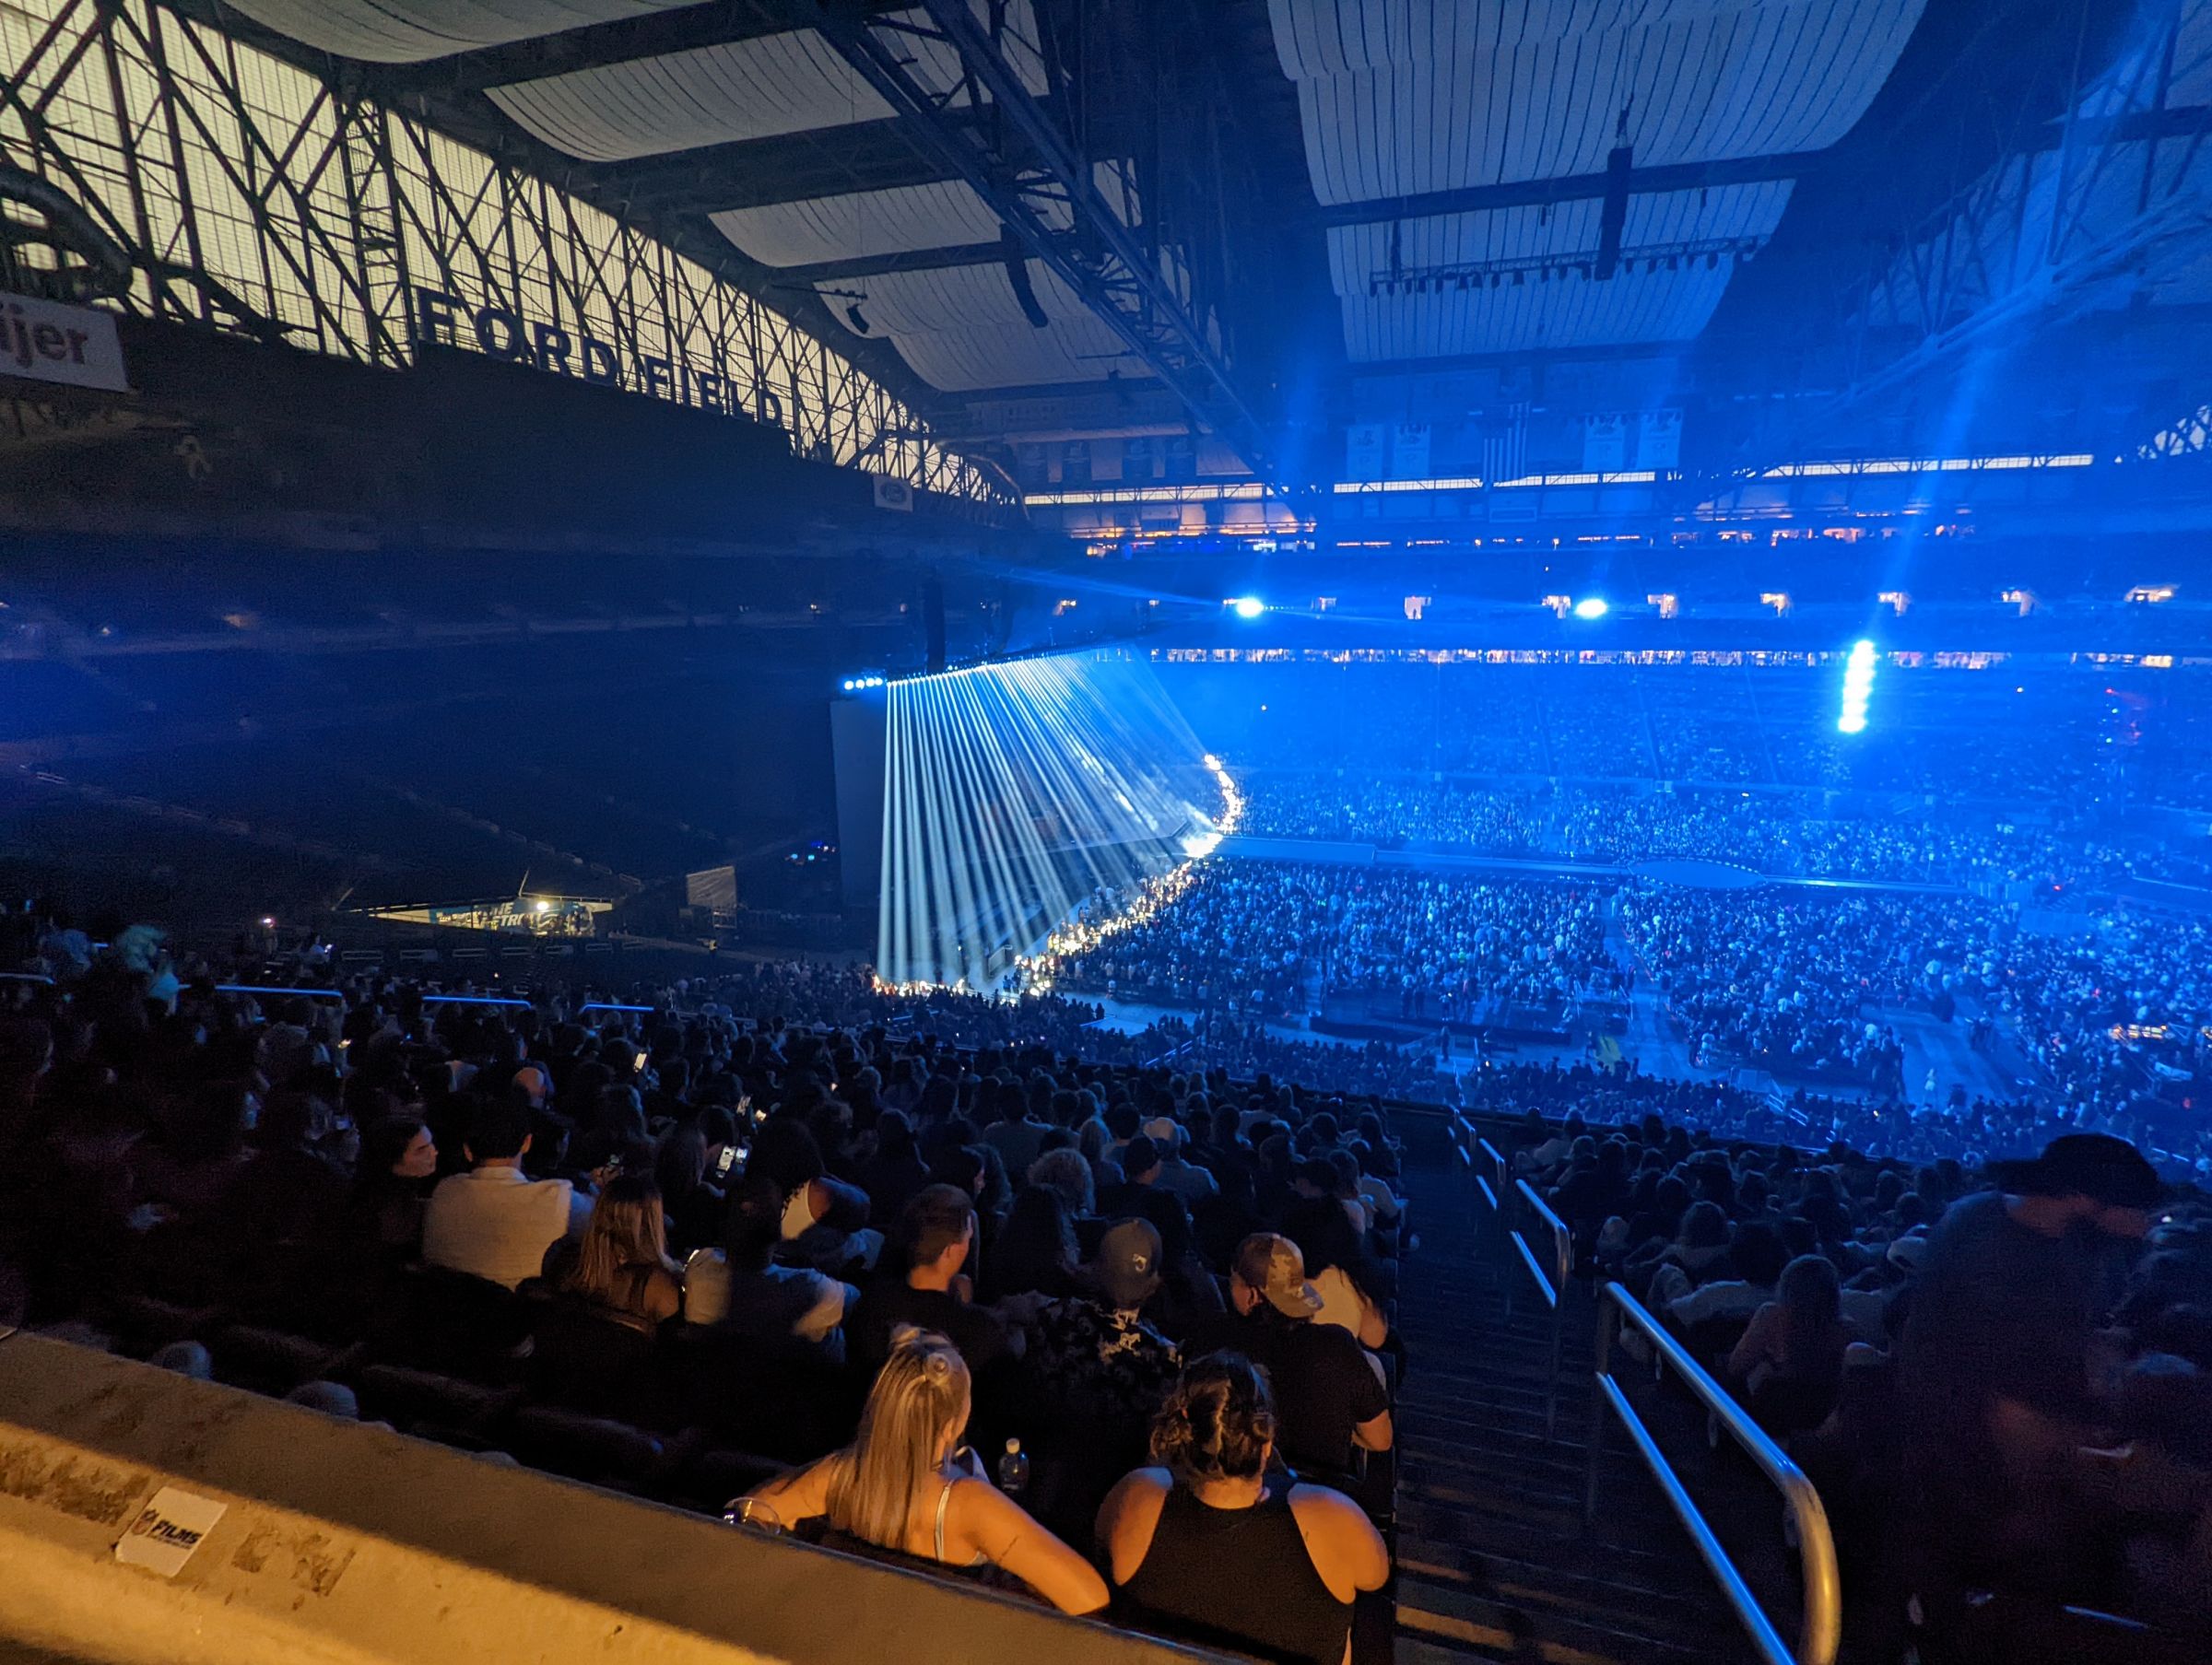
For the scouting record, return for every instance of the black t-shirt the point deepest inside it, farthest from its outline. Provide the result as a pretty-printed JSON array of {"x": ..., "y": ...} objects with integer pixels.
[
  {"x": 889, "y": 1303},
  {"x": 1999, "y": 1311},
  {"x": 1324, "y": 1386},
  {"x": 1164, "y": 1209}
]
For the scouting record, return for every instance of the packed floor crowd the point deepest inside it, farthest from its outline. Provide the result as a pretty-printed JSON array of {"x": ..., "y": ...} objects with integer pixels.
[
  {"x": 1781, "y": 835},
  {"x": 2002, "y": 1394},
  {"x": 1153, "y": 1304},
  {"x": 2056, "y": 736},
  {"x": 1270, "y": 938}
]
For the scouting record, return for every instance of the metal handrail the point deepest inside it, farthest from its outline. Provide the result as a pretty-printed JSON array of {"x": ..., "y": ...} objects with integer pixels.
[
  {"x": 1820, "y": 1626},
  {"x": 1552, "y": 1287},
  {"x": 1493, "y": 1186},
  {"x": 1562, "y": 1240}
]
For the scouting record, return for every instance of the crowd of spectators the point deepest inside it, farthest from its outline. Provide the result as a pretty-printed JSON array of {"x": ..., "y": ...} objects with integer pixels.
[
  {"x": 1955, "y": 733},
  {"x": 1779, "y": 834},
  {"x": 861, "y": 1247},
  {"x": 1269, "y": 939},
  {"x": 1999, "y": 1376}
]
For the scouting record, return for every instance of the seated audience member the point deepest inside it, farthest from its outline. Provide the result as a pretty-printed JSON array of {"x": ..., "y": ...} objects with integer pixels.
[
  {"x": 894, "y": 1172},
  {"x": 1718, "y": 1309},
  {"x": 741, "y": 1288},
  {"x": 1139, "y": 1196},
  {"x": 824, "y": 1220},
  {"x": 491, "y": 1222},
  {"x": 1092, "y": 1357},
  {"x": 1067, "y": 1173},
  {"x": 1352, "y": 1284},
  {"x": 1033, "y": 1255},
  {"x": 1328, "y": 1392},
  {"x": 1211, "y": 1548},
  {"x": 1790, "y": 1362},
  {"x": 621, "y": 1265},
  {"x": 694, "y": 1206},
  {"x": 1994, "y": 1362},
  {"x": 385, "y": 1213},
  {"x": 1186, "y": 1180},
  {"x": 906, "y": 1484},
  {"x": 290, "y": 1195},
  {"x": 1018, "y": 1135},
  {"x": 930, "y": 1290}
]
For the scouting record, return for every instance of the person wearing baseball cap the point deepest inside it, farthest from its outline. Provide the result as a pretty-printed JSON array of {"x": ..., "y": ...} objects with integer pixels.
[
  {"x": 1327, "y": 1392},
  {"x": 1098, "y": 1370},
  {"x": 1994, "y": 1362}
]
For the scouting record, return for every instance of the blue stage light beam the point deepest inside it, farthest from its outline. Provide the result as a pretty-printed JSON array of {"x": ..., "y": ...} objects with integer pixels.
[
  {"x": 1019, "y": 797},
  {"x": 1591, "y": 606},
  {"x": 1248, "y": 606},
  {"x": 1858, "y": 687}
]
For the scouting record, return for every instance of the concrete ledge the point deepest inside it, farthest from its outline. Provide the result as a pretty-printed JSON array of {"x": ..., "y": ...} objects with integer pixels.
[{"x": 351, "y": 1544}]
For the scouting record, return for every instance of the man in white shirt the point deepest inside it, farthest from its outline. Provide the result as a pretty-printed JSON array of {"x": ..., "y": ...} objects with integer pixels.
[{"x": 493, "y": 1222}]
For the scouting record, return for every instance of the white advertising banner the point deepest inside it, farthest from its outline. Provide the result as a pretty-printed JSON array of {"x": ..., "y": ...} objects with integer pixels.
[{"x": 49, "y": 341}]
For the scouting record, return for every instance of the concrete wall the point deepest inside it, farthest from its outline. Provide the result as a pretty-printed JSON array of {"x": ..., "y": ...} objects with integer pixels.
[{"x": 349, "y": 1544}]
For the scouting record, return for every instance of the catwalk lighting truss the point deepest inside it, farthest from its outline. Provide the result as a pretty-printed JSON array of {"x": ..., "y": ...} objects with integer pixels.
[
  {"x": 1028, "y": 803},
  {"x": 251, "y": 195}
]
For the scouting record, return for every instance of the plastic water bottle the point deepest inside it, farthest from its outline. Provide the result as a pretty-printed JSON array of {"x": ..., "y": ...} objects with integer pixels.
[{"x": 1014, "y": 1469}]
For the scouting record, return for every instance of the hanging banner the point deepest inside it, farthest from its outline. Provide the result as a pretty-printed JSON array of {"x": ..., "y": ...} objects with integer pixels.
[
  {"x": 49, "y": 341},
  {"x": 1409, "y": 451},
  {"x": 1605, "y": 443},
  {"x": 1659, "y": 440},
  {"x": 1365, "y": 450}
]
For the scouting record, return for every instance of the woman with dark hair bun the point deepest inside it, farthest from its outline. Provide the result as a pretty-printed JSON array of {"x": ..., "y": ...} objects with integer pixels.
[{"x": 1210, "y": 1548}]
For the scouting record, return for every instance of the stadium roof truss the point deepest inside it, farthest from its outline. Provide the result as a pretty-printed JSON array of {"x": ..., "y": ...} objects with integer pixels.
[
  {"x": 965, "y": 197},
  {"x": 2109, "y": 212},
  {"x": 249, "y": 193}
]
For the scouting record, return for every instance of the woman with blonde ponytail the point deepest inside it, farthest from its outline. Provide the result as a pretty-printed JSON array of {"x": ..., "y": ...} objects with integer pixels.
[
  {"x": 900, "y": 1485},
  {"x": 1211, "y": 1548}
]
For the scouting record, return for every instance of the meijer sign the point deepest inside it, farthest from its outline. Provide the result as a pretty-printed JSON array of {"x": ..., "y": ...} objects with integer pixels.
[{"x": 48, "y": 341}]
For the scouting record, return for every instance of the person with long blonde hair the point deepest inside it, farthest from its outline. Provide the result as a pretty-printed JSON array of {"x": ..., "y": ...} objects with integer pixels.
[
  {"x": 905, "y": 1484},
  {"x": 622, "y": 1262}
]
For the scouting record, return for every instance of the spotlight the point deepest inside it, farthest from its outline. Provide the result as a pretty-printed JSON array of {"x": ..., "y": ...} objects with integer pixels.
[
  {"x": 1858, "y": 685},
  {"x": 851, "y": 683},
  {"x": 1590, "y": 607},
  {"x": 1249, "y": 606}
]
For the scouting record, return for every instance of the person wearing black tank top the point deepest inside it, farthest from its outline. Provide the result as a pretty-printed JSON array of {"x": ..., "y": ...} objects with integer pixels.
[{"x": 1209, "y": 1548}]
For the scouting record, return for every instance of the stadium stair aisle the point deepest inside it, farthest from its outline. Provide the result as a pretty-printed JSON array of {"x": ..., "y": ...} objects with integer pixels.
[{"x": 1492, "y": 1563}]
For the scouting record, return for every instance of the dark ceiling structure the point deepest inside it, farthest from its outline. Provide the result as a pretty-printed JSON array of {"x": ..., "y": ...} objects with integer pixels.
[{"x": 1231, "y": 226}]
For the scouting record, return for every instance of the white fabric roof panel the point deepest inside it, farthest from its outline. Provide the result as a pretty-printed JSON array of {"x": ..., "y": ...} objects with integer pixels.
[
  {"x": 1566, "y": 311},
  {"x": 409, "y": 31},
  {"x": 968, "y": 361},
  {"x": 861, "y": 223},
  {"x": 1701, "y": 84},
  {"x": 737, "y": 90},
  {"x": 756, "y": 88},
  {"x": 1315, "y": 38},
  {"x": 962, "y": 328}
]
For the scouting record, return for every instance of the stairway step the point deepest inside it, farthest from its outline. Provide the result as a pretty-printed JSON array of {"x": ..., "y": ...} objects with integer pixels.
[{"x": 1493, "y": 1561}]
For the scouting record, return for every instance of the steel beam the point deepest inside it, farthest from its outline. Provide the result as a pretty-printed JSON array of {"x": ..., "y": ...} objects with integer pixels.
[
  {"x": 1569, "y": 188},
  {"x": 1020, "y": 160},
  {"x": 877, "y": 265}
]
